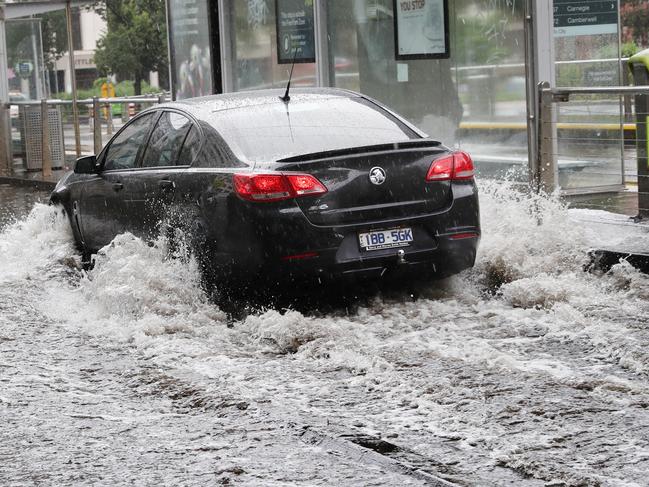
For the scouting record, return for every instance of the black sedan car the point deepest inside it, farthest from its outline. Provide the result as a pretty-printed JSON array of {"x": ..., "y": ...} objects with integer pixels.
[{"x": 327, "y": 185}]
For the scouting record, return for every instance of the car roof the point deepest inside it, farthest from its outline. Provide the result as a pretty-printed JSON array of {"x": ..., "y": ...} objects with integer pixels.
[{"x": 229, "y": 101}]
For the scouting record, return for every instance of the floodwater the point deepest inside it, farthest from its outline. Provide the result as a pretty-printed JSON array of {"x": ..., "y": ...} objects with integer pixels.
[
  {"x": 523, "y": 371},
  {"x": 16, "y": 203}
]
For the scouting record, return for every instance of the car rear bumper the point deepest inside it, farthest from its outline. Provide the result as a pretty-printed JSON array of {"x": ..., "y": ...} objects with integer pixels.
[
  {"x": 445, "y": 258},
  {"x": 279, "y": 245}
]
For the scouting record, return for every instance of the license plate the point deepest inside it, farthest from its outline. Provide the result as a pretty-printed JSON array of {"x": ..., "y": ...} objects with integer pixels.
[{"x": 385, "y": 239}]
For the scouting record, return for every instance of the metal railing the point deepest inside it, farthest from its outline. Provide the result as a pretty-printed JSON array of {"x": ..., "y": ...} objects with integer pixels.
[
  {"x": 99, "y": 112},
  {"x": 604, "y": 159}
]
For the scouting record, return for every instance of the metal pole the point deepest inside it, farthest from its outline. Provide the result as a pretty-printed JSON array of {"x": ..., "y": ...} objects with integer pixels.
[
  {"x": 546, "y": 174},
  {"x": 109, "y": 122},
  {"x": 96, "y": 124},
  {"x": 170, "y": 55},
  {"x": 622, "y": 80},
  {"x": 73, "y": 79},
  {"x": 6, "y": 155},
  {"x": 321, "y": 43},
  {"x": 641, "y": 77},
  {"x": 47, "y": 87},
  {"x": 532, "y": 97},
  {"x": 5, "y": 142},
  {"x": 227, "y": 59},
  {"x": 539, "y": 67},
  {"x": 46, "y": 153},
  {"x": 38, "y": 84}
]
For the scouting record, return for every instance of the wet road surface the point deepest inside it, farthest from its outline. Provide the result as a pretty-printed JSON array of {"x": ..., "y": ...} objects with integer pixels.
[{"x": 524, "y": 371}]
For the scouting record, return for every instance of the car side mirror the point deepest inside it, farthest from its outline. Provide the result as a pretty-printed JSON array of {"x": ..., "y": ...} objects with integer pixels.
[{"x": 86, "y": 165}]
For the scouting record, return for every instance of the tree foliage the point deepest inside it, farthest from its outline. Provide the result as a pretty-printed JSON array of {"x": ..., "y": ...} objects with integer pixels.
[
  {"x": 135, "y": 41},
  {"x": 635, "y": 21},
  {"x": 55, "y": 40}
]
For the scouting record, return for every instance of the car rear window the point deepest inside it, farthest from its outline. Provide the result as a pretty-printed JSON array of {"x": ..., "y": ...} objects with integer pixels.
[{"x": 266, "y": 133}]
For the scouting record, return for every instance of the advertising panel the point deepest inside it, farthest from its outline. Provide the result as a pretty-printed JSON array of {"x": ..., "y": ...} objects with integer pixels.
[
  {"x": 295, "y": 31},
  {"x": 421, "y": 29},
  {"x": 190, "y": 48}
]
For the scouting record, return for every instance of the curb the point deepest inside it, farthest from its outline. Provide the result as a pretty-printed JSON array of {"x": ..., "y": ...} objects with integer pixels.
[
  {"x": 30, "y": 183},
  {"x": 604, "y": 259}
]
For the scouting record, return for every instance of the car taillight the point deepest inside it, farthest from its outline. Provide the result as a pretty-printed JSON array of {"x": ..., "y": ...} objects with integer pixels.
[
  {"x": 455, "y": 166},
  {"x": 276, "y": 187},
  {"x": 305, "y": 184}
]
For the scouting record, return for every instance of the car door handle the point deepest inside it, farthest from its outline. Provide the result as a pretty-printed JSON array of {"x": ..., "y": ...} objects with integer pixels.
[
  {"x": 118, "y": 187},
  {"x": 166, "y": 185}
]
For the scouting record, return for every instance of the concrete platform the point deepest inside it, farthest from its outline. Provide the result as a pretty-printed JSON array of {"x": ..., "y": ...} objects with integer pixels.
[
  {"x": 624, "y": 203},
  {"x": 618, "y": 236}
]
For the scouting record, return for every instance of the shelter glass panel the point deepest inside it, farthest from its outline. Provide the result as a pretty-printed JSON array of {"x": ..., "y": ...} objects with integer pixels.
[
  {"x": 254, "y": 48},
  {"x": 25, "y": 59},
  {"x": 475, "y": 100},
  {"x": 589, "y": 146}
]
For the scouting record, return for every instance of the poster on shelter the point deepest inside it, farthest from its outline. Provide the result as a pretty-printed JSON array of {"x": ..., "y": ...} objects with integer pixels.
[
  {"x": 295, "y": 31},
  {"x": 421, "y": 29},
  {"x": 190, "y": 47}
]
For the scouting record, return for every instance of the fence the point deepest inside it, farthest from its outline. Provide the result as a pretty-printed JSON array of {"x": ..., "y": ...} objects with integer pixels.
[
  {"x": 84, "y": 125},
  {"x": 585, "y": 128}
]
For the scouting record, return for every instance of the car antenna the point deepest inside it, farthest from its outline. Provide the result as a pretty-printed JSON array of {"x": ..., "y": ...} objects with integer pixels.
[{"x": 286, "y": 98}]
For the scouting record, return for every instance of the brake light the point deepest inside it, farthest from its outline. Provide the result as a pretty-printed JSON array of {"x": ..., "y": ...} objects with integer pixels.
[
  {"x": 454, "y": 167},
  {"x": 276, "y": 187}
]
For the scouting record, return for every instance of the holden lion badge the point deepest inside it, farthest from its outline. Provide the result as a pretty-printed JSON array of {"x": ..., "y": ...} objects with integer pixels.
[{"x": 377, "y": 175}]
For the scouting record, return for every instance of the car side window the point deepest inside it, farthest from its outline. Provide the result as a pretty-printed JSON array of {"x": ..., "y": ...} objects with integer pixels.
[
  {"x": 190, "y": 147},
  {"x": 214, "y": 150},
  {"x": 164, "y": 148},
  {"x": 123, "y": 150}
]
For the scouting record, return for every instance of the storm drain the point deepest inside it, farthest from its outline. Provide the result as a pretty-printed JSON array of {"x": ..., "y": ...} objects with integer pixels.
[{"x": 369, "y": 449}]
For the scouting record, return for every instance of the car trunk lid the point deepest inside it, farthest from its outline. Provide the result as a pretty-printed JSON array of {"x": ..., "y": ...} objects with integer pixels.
[{"x": 371, "y": 185}]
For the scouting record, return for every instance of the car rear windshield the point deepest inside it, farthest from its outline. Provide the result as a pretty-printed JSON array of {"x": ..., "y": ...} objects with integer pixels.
[{"x": 274, "y": 131}]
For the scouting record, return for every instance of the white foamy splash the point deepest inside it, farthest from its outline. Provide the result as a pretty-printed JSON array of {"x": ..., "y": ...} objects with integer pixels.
[
  {"x": 38, "y": 247},
  {"x": 136, "y": 291}
]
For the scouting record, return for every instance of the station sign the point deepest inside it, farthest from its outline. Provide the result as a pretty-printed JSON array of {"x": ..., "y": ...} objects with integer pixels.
[
  {"x": 295, "y": 31},
  {"x": 587, "y": 17},
  {"x": 421, "y": 29}
]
